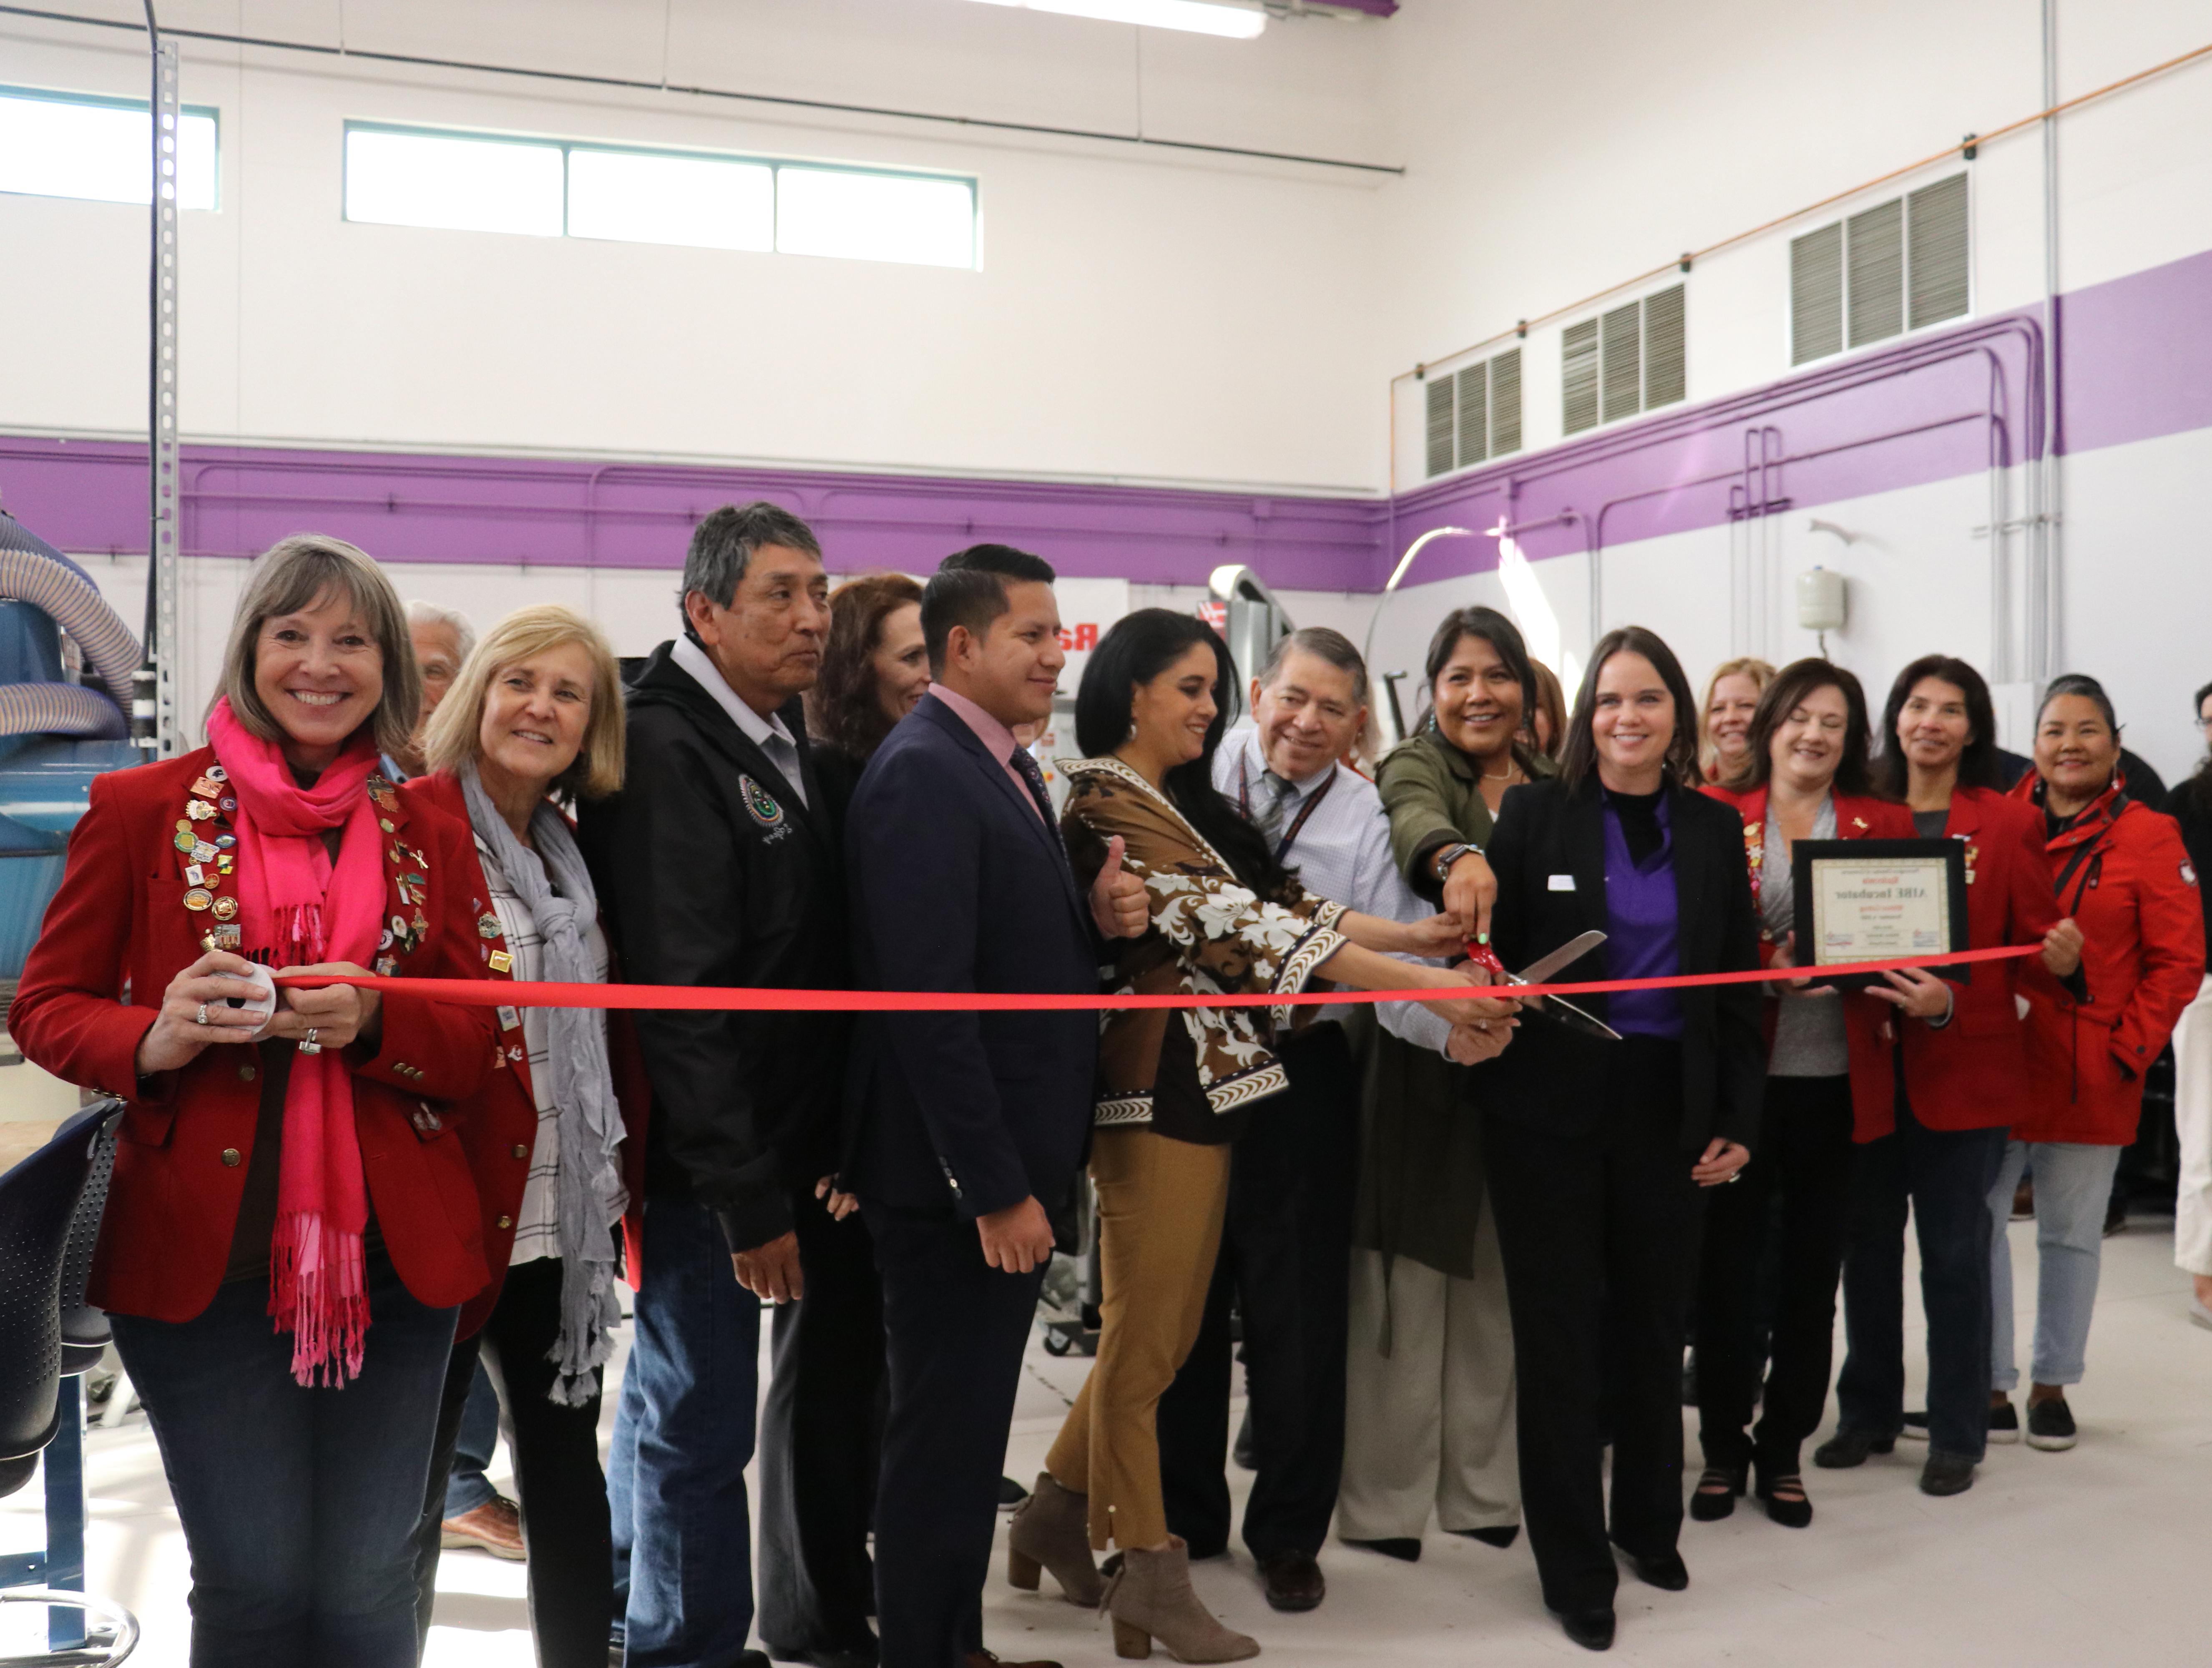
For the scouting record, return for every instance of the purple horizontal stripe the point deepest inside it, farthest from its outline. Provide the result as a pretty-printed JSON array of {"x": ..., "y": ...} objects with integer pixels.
[{"x": 2136, "y": 362}]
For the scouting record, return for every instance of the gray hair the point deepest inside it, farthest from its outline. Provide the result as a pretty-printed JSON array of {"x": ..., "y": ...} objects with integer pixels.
[
  {"x": 420, "y": 613},
  {"x": 1333, "y": 646},
  {"x": 2081, "y": 684},
  {"x": 295, "y": 573},
  {"x": 722, "y": 548}
]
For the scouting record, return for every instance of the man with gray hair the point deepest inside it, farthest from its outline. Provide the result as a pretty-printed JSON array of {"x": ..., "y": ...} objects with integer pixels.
[
  {"x": 442, "y": 637},
  {"x": 718, "y": 863}
]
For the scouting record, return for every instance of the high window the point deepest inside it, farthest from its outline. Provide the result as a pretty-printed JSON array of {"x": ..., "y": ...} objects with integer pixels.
[
  {"x": 551, "y": 188},
  {"x": 1898, "y": 266},
  {"x": 69, "y": 144}
]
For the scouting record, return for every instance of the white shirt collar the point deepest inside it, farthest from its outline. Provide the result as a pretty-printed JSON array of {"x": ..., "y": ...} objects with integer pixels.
[{"x": 708, "y": 676}]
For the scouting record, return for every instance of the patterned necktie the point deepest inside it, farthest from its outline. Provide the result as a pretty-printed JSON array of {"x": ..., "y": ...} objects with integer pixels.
[
  {"x": 1276, "y": 794},
  {"x": 1025, "y": 762}
]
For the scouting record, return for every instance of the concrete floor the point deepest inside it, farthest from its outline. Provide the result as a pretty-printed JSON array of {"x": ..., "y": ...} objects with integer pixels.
[{"x": 2089, "y": 1557}]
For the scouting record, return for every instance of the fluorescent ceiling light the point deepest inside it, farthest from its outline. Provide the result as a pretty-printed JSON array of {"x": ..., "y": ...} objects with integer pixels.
[{"x": 1200, "y": 17}]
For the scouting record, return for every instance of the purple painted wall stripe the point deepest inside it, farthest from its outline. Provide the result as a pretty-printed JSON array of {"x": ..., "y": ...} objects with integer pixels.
[{"x": 2136, "y": 362}]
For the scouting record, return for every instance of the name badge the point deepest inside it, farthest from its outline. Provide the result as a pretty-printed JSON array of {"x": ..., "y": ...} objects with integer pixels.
[{"x": 1563, "y": 882}]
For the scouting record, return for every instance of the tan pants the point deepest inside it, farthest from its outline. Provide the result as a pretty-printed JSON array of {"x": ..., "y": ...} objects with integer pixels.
[
  {"x": 1431, "y": 1422},
  {"x": 1160, "y": 1203}
]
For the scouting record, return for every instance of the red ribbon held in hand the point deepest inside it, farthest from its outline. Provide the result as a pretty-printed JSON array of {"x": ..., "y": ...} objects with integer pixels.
[{"x": 506, "y": 993}]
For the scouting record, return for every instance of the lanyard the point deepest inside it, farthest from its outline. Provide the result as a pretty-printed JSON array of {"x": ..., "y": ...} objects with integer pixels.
[{"x": 1312, "y": 804}]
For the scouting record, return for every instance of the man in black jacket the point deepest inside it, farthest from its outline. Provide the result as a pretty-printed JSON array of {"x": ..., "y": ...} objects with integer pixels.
[
  {"x": 966, "y": 1130},
  {"x": 717, "y": 864}
]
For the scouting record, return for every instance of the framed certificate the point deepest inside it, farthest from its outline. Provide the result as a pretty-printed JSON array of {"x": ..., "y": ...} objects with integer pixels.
[{"x": 1870, "y": 899}]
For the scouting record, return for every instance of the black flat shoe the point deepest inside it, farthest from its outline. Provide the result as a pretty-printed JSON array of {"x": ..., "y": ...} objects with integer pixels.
[
  {"x": 1849, "y": 1447},
  {"x": 1945, "y": 1473},
  {"x": 1404, "y": 1548},
  {"x": 1665, "y": 1570},
  {"x": 1591, "y": 1629},
  {"x": 1716, "y": 1492},
  {"x": 1790, "y": 1513},
  {"x": 1501, "y": 1536}
]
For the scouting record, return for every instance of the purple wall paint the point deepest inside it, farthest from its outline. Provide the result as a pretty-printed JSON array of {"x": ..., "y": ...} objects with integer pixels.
[{"x": 2136, "y": 362}]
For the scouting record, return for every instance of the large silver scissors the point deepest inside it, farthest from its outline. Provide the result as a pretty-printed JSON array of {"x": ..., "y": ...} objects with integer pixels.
[{"x": 1558, "y": 1007}]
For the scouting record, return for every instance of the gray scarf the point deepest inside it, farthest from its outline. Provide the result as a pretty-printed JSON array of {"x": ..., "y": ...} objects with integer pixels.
[{"x": 590, "y": 1122}]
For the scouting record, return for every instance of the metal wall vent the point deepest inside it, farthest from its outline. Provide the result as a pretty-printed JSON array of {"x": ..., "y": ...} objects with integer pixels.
[
  {"x": 1899, "y": 265},
  {"x": 1631, "y": 358},
  {"x": 1474, "y": 413}
]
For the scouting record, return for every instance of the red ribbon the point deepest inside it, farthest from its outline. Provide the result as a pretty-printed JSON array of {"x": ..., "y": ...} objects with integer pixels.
[{"x": 502, "y": 993}]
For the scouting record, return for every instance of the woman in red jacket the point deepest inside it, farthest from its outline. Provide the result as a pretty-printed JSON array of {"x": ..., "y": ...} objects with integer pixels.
[
  {"x": 1808, "y": 779},
  {"x": 2121, "y": 870},
  {"x": 1937, "y": 1071},
  {"x": 304, "y": 1171},
  {"x": 536, "y": 715}
]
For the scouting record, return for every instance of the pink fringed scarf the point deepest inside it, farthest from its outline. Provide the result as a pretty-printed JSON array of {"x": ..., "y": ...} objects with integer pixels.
[{"x": 298, "y": 907}]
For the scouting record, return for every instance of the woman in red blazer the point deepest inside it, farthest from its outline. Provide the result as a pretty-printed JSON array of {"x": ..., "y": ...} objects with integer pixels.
[
  {"x": 1808, "y": 779},
  {"x": 1937, "y": 1071},
  {"x": 291, "y": 1209},
  {"x": 2120, "y": 869},
  {"x": 305, "y": 1174},
  {"x": 536, "y": 714}
]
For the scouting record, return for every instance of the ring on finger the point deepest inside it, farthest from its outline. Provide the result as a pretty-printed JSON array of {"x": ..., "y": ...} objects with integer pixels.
[
  {"x": 200, "y": 1018},
  {"x": 308, "y": 1045}
]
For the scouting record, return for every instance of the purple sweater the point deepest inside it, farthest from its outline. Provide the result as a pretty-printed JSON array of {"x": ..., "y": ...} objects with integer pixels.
[{"x": 1641, "y": 920}]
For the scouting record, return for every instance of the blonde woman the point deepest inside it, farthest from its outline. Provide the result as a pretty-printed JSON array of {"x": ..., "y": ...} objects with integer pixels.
[
  {"x": 535, "y": 715},
  {"x": 1732, "y": 695}
]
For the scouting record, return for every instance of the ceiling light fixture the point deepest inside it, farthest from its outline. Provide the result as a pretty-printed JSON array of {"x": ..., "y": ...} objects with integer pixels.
[{"x": 1214, "y": 17}]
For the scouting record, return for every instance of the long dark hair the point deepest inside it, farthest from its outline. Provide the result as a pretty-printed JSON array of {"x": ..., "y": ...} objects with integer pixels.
[
  {"x": 1137, "y": 649},
  {"x": 1978, "y": 766},
  {"x": 1502, "y": 636},
  {"x": 1854, "y": 775},
  {"x": 1578, "y": 758},
  {"x": 844, "y": 708}
]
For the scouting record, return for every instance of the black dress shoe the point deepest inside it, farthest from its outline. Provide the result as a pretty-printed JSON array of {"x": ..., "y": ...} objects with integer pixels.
[
  {"x": 1664, "y": 1570},
  {"x": 1849, "y": 1447},
  {"x": 832, "y": 1656},
  {"x": 1011, "y": 1494},
  {"x": 1501, "y": 1536},
  {"x": 1591, "y": 1629},
  {"x": 1945, "y": 1473},
  {"x": 1404, "y": 1548},
  {"x": 1293, "y": 1580}
]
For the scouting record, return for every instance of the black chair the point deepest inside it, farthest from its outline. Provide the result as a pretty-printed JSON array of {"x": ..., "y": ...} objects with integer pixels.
[{"x": 50, "y": 1208}]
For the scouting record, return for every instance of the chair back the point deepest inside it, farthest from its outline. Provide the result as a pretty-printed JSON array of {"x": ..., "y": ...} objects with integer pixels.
[
  {"x": 85, "y": 1332},
  {"x": 37, "y": 1208}
]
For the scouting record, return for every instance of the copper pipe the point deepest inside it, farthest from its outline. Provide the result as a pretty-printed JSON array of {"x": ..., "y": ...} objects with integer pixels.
[{"x": 1976, "y": 142}]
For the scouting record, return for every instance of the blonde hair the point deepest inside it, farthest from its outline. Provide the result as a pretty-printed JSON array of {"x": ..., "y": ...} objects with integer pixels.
[
  {"x": 1747, "y": 665},
  {"x": 450, "y": 741},
  {"x": 296, "y": 573}
]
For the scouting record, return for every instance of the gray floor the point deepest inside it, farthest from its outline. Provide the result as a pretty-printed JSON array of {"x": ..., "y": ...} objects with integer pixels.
[{"x": 2092, "y": 1556}]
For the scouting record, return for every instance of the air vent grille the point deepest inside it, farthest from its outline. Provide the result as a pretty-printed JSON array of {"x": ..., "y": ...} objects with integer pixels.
[
  {"x": 1666, "y": 371},
  {"x": 1935, "y": 233},
  {"x": 1440, "y": 425},
  {"x": 1474, "y": 415},
  {"x": 1505, "y": 402},
  {"x": 1899, "y": 265},
  {"x": 1632, "y": 358},
  {"x": 1578, "y": 376},
  {"x": 1816, "y": 294},
  {"x": 1873, "y": 248}
]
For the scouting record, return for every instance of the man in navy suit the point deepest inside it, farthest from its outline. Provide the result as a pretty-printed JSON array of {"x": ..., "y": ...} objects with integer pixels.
[{"x": 965, "y": 1130}]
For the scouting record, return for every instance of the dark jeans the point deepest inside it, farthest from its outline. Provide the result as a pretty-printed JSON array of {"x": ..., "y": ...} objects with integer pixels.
[
  {"x": 955, "y": 1329},
  {"x": 556, "y": 1473},
  {"x": 821, "y": 1433},
  {"x": 1285, "y": 1260},
  {"x": 297, "y": 1504},
  {"x": 1804, "y": 1157},
  {"x": 1945, "y": 1175},
  {"x": 683, "y": 1435},
  {"x": 1599, "y": 1233},
  {"x": 466, "y": 1485}
]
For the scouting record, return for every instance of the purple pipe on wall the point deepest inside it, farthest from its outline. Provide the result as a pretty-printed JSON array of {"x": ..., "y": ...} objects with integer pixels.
[{"x": 2137, "y": 360}]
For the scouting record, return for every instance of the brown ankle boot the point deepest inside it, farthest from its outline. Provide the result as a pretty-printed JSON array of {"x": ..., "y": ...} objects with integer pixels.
[
  {"x": 1051, "y": 1531},
  {"x": 1151, "y": 1598}
]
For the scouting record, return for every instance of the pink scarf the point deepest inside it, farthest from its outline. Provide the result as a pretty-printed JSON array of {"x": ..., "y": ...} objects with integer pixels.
[{"x": 298, "y": 907}]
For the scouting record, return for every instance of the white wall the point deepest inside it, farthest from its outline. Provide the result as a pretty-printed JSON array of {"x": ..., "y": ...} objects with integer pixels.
[{"x": 1145, "y": 314}]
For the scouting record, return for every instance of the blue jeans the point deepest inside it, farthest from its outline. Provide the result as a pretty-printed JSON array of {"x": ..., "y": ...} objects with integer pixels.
[
  {"x": 466, "y": 1485},
  {"x": 683, "y": 1435},
  {"x": 2072, "y": 1184},
  {"x": 298, "y": 1505},
  {"x": 1945, "y": 1176}
]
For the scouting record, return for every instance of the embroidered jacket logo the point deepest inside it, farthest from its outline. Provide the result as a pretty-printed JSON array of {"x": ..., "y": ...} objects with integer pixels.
[{"x": 765, "y": 811}]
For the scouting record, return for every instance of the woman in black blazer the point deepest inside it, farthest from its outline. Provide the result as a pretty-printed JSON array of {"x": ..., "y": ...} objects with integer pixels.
[{"x": 1598, "y": 1148}]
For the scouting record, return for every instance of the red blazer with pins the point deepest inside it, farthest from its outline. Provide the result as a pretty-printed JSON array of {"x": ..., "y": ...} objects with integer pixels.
[
  {"x": 498, "y": 1127},
  {"x": 1857, "y": 818},
  {"x": 118, "y": 930},
  {"x": 1973, "y": 1073}
]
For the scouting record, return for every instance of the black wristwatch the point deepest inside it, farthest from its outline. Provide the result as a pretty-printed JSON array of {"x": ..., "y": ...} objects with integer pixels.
[{"x": 1440, "y": 865}]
